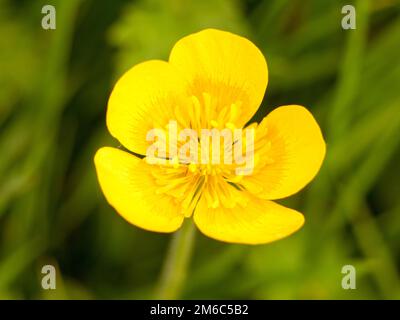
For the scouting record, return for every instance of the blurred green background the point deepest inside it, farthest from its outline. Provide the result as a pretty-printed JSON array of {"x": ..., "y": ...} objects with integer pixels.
[{"x": 54, "y": 86}]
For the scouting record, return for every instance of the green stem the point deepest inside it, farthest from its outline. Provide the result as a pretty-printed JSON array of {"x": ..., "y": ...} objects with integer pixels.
[{"x": 176, "y": 263}]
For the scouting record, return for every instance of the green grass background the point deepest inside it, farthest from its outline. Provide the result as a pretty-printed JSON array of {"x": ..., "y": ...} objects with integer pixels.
[{"x": 54, "y": 87}]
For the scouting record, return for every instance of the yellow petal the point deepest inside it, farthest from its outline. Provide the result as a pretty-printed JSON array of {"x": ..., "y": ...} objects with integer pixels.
[
  {"x": 143, "y": 98},
  {"x": 260, "y": 221},
  {"x": 129, "y": 187},
  {"x": 294, "y": 155},
  {"x": 225, "y": 66}
]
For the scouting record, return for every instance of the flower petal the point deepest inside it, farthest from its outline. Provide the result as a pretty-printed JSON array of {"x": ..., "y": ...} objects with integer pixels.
[
  {"x": 226, "y": 66},
  {"x": 295, "y": 154},
  {"x": 144, "y": 98},
  {"x": 129, "y": 187},
  {"x": 260, "y": 221}
]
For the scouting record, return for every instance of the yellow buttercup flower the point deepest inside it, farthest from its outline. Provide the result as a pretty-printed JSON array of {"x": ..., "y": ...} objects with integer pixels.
[{"x": 213, "y": 79}]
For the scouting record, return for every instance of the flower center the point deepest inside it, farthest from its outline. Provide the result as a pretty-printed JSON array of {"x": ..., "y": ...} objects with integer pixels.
[{"x": 201, "y": 154}]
